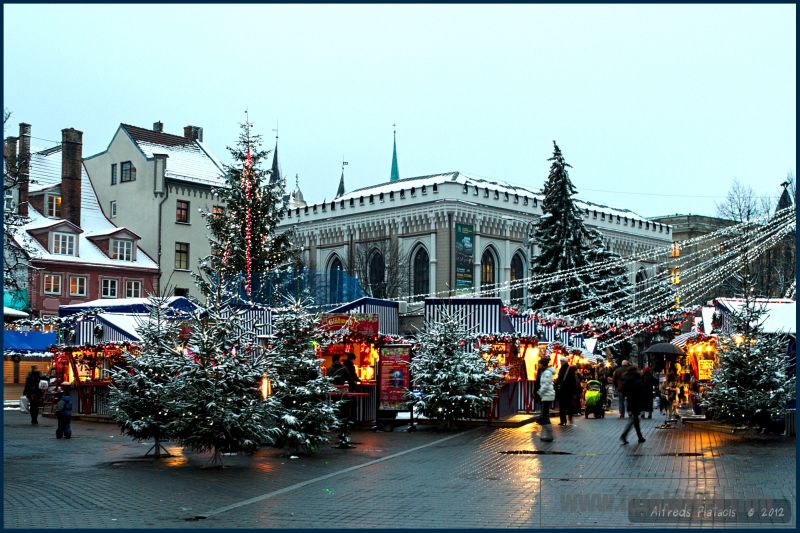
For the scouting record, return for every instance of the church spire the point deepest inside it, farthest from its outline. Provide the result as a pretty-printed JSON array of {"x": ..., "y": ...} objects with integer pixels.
[
  {"x": 275, "y": 175},
  {"x": 395, "y": 173},
  {"x": 340, "y": 192}
]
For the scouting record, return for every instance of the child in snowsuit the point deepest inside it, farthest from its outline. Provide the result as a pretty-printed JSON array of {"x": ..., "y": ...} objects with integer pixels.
[{"x": 64, "y": 413}]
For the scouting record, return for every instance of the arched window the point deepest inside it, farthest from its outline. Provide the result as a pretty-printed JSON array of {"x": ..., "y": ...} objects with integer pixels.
[
  {"x": 640, "y": 287},
  {"x": 517, "y": 273},
  {"x": 376, "y": 270},
  {"x": 420, "y": 274},
  {"x": 335, "y": 279},
  {"x": 488, "y": 273}
]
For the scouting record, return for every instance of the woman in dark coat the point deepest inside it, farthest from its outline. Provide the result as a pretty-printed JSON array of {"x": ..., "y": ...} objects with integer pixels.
[
  {"x": 650, "y": 386},
  {"x": 34, "y": 394},
  {"x": 567, "y": 386}
]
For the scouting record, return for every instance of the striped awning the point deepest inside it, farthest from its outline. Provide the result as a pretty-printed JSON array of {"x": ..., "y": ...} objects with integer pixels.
[
  {"x": 682, "y": 339},
  {"x": 388, "y": 312},
  {"x": 480, "y": 316}
]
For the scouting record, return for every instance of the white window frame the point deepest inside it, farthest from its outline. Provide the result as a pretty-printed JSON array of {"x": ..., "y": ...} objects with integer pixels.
[
  {"x": 83, "y": 285},
  {"x": 129, "y": 247},
  {"x": 130, "y": 283},
  {"x": 113, "y": 209},
  {"x": 8, "y": 200},
  {"x": 51, "y": 278},
  {"x": 56, "y": 199},
  {"x": 107, "y": 294},
  {"x": 57, "y": 236}
]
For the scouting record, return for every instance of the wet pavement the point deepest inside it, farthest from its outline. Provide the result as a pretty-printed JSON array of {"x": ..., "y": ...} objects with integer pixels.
[{"x": 479, "y": 478}]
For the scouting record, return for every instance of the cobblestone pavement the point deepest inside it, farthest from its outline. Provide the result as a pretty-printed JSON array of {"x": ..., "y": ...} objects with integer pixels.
[{"x": 479, "y": 478}]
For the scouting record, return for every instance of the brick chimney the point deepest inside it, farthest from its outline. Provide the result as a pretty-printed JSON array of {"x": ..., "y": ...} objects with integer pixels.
[
  {"x": 24, "y": 162},
  {"x": 158, "y": 126},
  {"x": 193, "y": 133},
  {"x": 71, "y": 162},
  {"x": 10, "y": 155}
]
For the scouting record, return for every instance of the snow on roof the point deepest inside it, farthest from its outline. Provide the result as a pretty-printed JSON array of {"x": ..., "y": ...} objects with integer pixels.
[
  {"x": 780, "y": 313},
  {"x": 472, "y": 181},
  {"x": 127, "y": 322},
  {"x": 45, "y": 169},
  {"x": 8, "y": 312},
  {"x": 106, "y": 303}
]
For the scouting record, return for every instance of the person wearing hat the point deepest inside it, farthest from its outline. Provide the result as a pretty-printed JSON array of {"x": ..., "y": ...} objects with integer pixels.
[{"x": 63, "y": 412}]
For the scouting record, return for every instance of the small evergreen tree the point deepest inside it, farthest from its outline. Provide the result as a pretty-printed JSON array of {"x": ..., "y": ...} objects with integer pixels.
[
  {"x": 454, "y": 383},
  {"x": 561, "y": 237},
  {"x": 243, "y": 237},
  {"x": 142, "y": 395},
  {"x": 220, "y": 398},
  {"x": 306, "y": 414},
  {"x": 751, "y": 384}
]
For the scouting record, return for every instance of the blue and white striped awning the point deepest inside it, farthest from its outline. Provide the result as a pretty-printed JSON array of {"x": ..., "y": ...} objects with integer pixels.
[
  {"x": 115, "y": 328},
  {"x": 681, "y": 340},
  {"x": 388, "y": 312},
  {"x": 256, "y": 320},
  {"x": 480, "y": 316},
  {"x": 527, "y": 325}
]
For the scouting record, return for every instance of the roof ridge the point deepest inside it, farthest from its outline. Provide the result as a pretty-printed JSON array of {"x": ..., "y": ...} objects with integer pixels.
[{"x": 147, "y": 135}]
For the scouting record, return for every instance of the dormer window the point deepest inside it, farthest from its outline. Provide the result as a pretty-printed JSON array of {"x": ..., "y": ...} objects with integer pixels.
[
  {"x": 53, "y": 206},
  {"x": 127, "y": 172},
  {"x": 63, "y": 243},
  {"x": 122, "y": 250}
]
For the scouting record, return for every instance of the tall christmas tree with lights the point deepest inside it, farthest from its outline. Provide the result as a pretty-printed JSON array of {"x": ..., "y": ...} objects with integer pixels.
[
  {"x": 609, "y": 279},
  {"x": 244, "y": 241},
  {"x": 143, "y": 394},
  {"x": 561, "y": 238},
  {"x": 454, "y": 382},
  {"x": 306, "y": 413}
]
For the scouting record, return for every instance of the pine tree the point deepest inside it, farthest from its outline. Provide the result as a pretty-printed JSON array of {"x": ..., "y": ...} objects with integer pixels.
[
  {"x": 454, "y": 383},
  {"x": 560, "y": 236},
  {"x": 244, "y": 237},
  {"x": 142, "y": 397},
  {"x": 610, "y": 283},
  {"x": 306, "y": 413},
  {"x": 219, "y": 397},
  {"x": 751, "y": 384}
]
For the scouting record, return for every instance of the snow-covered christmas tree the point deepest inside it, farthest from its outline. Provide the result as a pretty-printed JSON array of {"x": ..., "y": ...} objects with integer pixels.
[
  {"x": 751, "y": 384},
  {"x": 143, "y": 394},
  {"x": 220, "y": 398},
  {"x": 455, "y": 383},
  {"x": 561, "y": 238},
  {"x": 243, "y": 236},
  {"x": 307, "y": 413}
]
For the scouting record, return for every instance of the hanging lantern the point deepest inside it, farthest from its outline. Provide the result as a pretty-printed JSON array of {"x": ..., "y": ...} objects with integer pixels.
[{"x": 266, "y": 387}]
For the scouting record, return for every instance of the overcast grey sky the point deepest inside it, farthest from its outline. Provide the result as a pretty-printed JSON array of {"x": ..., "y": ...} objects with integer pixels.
[{"x": 657, "y": 107}]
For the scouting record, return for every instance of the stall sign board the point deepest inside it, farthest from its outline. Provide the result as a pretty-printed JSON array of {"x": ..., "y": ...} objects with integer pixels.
[
  {"x": 704, "y": 368},
  {"x": 464, "y": 253},
  {"x": 365, "y": 325},
  {"x": 394, "y": 377}
]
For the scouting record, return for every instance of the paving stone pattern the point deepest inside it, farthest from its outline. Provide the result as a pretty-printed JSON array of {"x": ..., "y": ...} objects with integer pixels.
[{"x": 480, "y": 478}]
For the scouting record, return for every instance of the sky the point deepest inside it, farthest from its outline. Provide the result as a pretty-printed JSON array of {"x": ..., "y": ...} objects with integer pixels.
[{"x": 658, "y": 108}]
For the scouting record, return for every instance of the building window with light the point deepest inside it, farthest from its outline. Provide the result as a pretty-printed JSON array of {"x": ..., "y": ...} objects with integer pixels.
[
  {"x": 181, "y": 256},
  {"x": 77, "y": 285},
  {"x": 53, "y": 206},
  {"x": 217, "y": 211},
  {"x": 133, "y": 289},
  {"x": 109, "y": 288},
  {"x": 488, "y": 273},
  {"x": 127, "y": 172},
  {"x": 52, "y": 284},
  {"x": 63, "y": 243},
  {"x": 182, "y": 212},
  {"x": 122, "y": 250}
]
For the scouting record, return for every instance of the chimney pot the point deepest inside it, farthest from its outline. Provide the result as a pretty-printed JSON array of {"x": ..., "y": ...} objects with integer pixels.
[
  {"x": 158, "y": 126},
  {"x": 193, "y": 133}
]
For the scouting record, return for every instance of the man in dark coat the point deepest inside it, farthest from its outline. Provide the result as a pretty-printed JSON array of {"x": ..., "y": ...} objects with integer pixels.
[
  {"x": 566, "y": 390},
  {"x": 34, "y": 394},
  {"x": 618, "y": 386},
  {"x": 650, "y": 386},
  {"x": 633, "y": 390},
  {"x": 337, "y": 371}
]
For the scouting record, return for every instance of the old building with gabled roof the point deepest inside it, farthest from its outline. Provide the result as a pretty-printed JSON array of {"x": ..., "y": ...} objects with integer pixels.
[
  {"x": 156, "y": 184},
  {"x": 74, "y": 252}
]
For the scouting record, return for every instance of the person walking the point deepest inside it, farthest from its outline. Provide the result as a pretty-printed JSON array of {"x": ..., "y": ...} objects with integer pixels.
[
  {"x": 650, "y": 386},
  {"x": 618, "y": 386},
  {"x": 34, "y": 393},
  {"x": 633, "y": 390},
  {"x": 64, "y": 413},
  {"x": 566, "y": 391},
  {"x": 547, "y": 393}
]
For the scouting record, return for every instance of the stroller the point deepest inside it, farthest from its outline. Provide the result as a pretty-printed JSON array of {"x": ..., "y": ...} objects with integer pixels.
[{"x": 594, "y": 400}]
